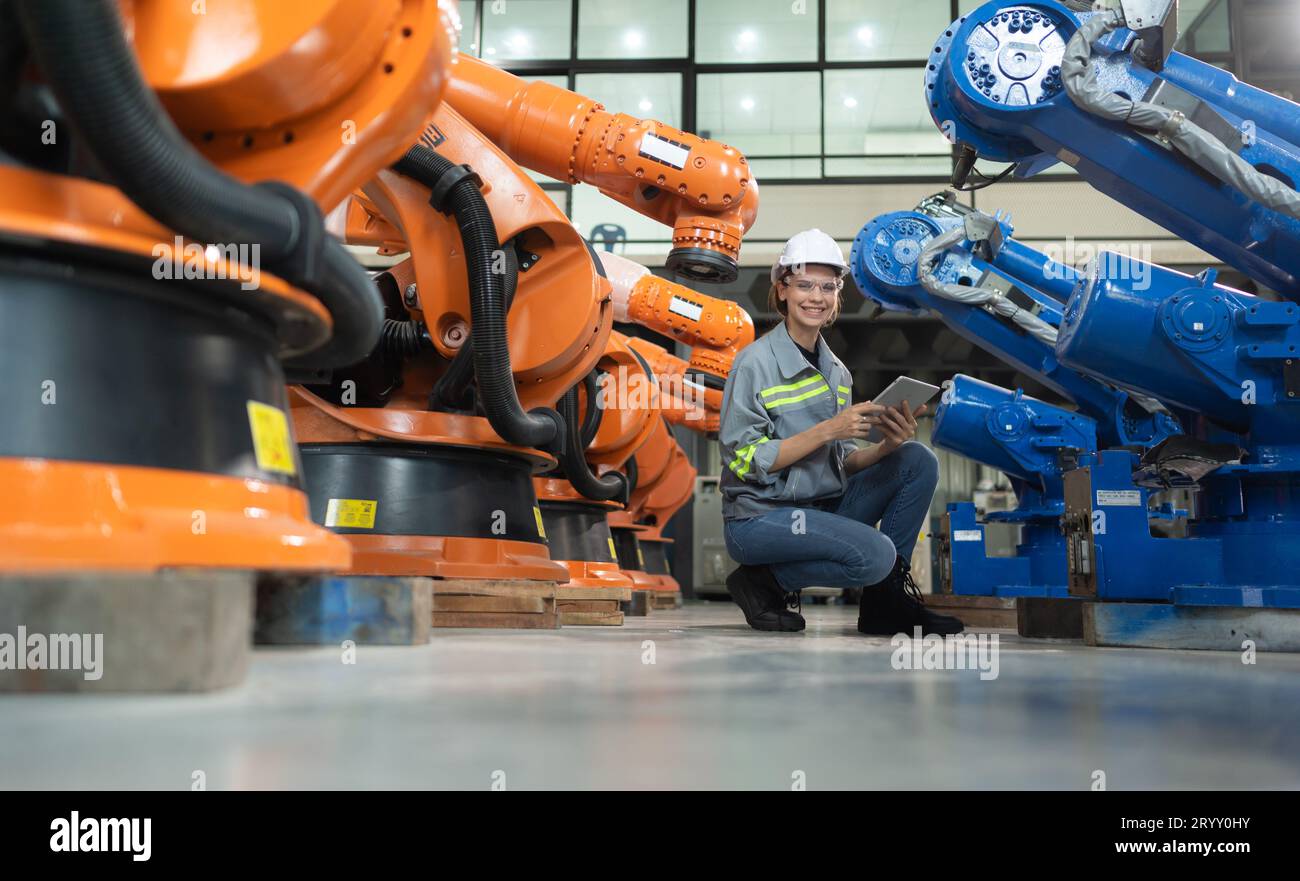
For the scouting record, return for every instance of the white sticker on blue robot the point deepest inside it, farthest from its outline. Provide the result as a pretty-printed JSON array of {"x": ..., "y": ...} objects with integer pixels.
[
  {"x": 967, "y": 535},
  {"x": 1119, "y": 498}
]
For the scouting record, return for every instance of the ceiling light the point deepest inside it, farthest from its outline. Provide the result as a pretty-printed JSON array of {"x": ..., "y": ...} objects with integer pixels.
[
  {"x": 747, "y": 104},
  {"x": 633, "y": 39},
  {"x": 850, "y": 102},
  {"x": 865, "y": 35},
  {"x": 646, "y": 105}
]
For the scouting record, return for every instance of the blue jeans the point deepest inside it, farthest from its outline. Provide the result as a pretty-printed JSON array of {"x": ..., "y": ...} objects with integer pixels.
[{"x": 840, "y": 547}]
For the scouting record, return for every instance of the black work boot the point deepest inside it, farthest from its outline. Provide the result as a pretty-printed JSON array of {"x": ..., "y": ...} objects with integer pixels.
[
  {"x": 895, "y": 606},
  {"x": 755, "y": 590}
]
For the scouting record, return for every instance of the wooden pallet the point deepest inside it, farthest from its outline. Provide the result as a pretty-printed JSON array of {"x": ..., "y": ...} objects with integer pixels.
[
  {"x": 591, "y": 606},
  {"x": 981, "y": 613},
  {"x": 331, "y": 609},
  {"x": 1049, "y": 617},
  {"x": 662, "y": 599},
  {"x": 184, "y": 630},
  {"x": 1214, "y": 628},
  {"x": 638, "y": 606},
  {"x": 497, "y": 604}
]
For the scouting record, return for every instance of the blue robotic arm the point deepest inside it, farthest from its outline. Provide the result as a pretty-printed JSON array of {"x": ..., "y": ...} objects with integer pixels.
[
  {"x": 1033, "y": 443},
  {"x": 1232, "y": 358},
  {"x": 1030, "y": 441},
  {"x": 886, "y": 264},
  {"x": 1211, "y": 159},
  {"x": 1008, "y": 299}
]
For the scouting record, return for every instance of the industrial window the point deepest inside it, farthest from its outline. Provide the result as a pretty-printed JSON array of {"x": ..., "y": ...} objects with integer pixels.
[
  {"x": 883, "y": 30},
  {"x": 642, "y": 30},
  {"x": 773, "y": 118},
  {"x": 521, "y": 30},
  {"x": 469, "y": 29},
  {"x": 754, "y": 31},
  {"x": 810, "y": 90},
  {"x": 877, "y": 124},
  {"x": 647, "y": 95}
]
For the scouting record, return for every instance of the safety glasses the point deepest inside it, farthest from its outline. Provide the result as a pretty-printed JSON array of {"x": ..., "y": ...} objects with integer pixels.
[{"x": 807, "y": 287}]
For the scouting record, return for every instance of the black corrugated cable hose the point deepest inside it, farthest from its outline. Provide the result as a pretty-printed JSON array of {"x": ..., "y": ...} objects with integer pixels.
[
  {"x": 81, "y": 49},
  {"x": 573, "y": 460},
  {"x": 633, "y": 475},
  {"x": 454, "y": 189},
  {"x": 449, "y": 393},
  {"x": 593, "y": 415},
  {"x": 404, "y": 339}
]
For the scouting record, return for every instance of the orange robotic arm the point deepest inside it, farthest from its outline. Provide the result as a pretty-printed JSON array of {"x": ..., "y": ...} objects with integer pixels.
[
  {"x": 681, "y": 400},
  {"x": 317, "y": 98},
  {"x": 703, "y": 189},
  {"x": 717, "y": 330},
  {"x": 665, "y": 478},
  {"x": 556, "y": 325},
  {"x": 316, "y": 93}
]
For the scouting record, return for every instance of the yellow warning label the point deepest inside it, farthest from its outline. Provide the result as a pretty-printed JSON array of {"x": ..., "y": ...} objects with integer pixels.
[
  {"x": 541, "y": 530},
  {"x": 613, "y": 553},
  {"x": 351, "y": 513},
  {"x": 271, "y": 443}
]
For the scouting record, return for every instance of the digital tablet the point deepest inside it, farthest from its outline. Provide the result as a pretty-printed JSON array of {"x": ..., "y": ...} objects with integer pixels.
[{"x": 902, "y": 389}]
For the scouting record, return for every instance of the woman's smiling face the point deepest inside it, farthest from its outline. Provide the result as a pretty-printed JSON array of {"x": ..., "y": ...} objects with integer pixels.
[{"x": 811, "y": 295}]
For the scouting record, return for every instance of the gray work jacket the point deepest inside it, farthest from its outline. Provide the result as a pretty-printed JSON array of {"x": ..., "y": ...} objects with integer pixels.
[{"x": 774, "y": 393}]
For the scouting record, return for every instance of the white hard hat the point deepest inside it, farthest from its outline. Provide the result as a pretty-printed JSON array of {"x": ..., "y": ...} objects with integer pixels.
[{"x": 809, "y": 246}]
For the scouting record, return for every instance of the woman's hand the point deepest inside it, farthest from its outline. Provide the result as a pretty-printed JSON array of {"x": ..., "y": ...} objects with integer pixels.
[
  {"x": 898, "y": 425},
  {"x": 854, "y": 422}
]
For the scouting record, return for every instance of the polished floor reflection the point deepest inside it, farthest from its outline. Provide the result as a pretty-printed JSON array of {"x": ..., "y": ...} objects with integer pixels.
[{"x": 720, "y": 706}]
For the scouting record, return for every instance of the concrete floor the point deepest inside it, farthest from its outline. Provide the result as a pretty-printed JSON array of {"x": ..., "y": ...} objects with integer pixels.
[{"x": 722, "y": 706}]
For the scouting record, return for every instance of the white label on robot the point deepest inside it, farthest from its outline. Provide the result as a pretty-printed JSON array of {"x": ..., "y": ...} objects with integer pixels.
[
  {"x": 665, "y": 151},
  {"x": 1119, "y": 498},
  {"x": 967, "y": 535},
  {"x": 685, "y": 308}
]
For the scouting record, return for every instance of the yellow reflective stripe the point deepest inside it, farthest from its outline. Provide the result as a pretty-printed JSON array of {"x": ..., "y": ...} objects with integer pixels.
[
  {"x": 749, "y": 458},
  {"x": 812, "y": 393},
  {"x": 795, "y": 386},
  {"x": 744, "y": 456},
  {"x": 735, "y": 463},
  {"x": 843, "y": 401},
  {"x": 844, "y": 389}
]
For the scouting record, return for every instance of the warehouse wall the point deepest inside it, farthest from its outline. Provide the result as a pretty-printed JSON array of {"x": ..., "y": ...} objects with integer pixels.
[{"x": 1051, "y": 212}]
